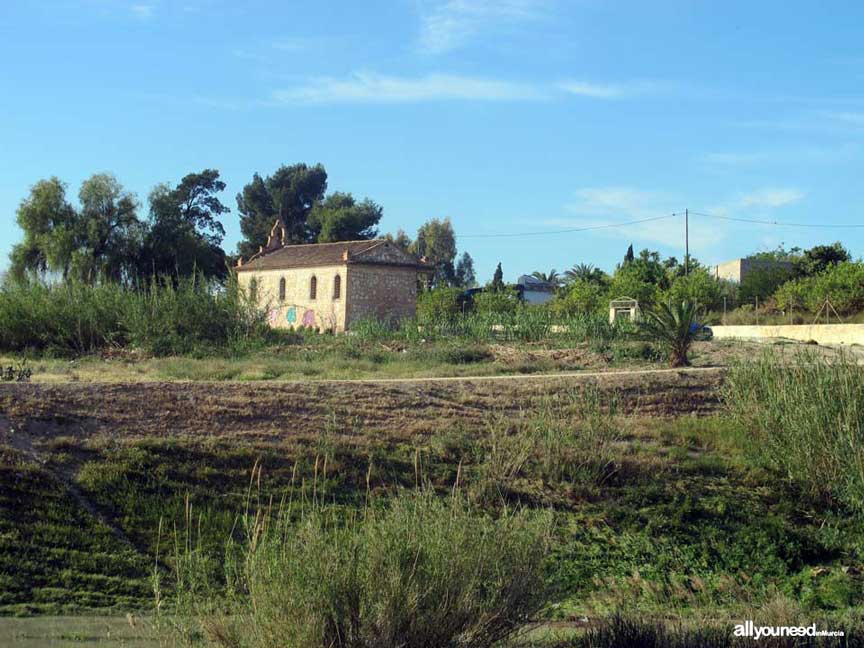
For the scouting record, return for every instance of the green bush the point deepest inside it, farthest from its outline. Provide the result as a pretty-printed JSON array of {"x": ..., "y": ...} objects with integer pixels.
[
  {"x": 422, "y": 572},
  {"x": 842, "y": 283},
  {"x": 698, "y": 287},
  {"x": 582, "y": 297},
  {"x": 469, "y": 354},
  {"x": 545, "y": 445},
  {"x": 807, "y": 420},
  {"x": 438, "y": 303},
  {"x": 497, "y": 301},
  {"x": 194, "y": 316},
  {"x": 763, "y": 282}
]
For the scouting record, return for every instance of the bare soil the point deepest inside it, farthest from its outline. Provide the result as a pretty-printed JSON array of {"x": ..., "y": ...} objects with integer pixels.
[{"x": 276, "y": 410}]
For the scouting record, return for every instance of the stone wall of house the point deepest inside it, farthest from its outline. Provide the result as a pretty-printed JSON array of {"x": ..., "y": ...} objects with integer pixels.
[
  {"x": 386, "y": 293},
  {"x": 297, "y": 308}
]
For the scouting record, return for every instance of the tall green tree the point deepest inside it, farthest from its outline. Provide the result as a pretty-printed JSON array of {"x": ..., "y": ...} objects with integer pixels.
[
  {"x": 819, "y": 258},
  {"x": 339, "y": 217},
  {"x": 184, "y": 234},
  {"x": 48, "y": 221},
  {"x": 551, "y": 277},
  {"x": 587, "y": 273},
  {"x": 437, "y": 242},
  {"x": 400, "y": 240},
  {"x": 465, "y": 275},
  {"x": 290, "y": 193},
  {"x": 109, "y": 232},
  {"x": 98, "y": 241},
  {"x": 497, "y": 279}
]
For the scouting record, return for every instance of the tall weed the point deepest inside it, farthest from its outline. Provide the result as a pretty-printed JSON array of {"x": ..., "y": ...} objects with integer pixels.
[
  {"x": 805, "y": 414},
  {"x": 424, "y": 571}
]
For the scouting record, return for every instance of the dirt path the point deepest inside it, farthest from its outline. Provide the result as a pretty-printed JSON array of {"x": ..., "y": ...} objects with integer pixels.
[{"x": 273, "y": 410}]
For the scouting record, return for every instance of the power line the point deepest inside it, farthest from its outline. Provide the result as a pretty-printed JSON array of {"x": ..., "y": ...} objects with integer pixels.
[
  {"x": 572, "y": 229},
  {"x": 778, "y": 223}
]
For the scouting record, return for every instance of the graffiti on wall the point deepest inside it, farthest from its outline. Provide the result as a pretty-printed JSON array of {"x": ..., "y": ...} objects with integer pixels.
[
  {"x": 273, "y": 316},
  {"x": 309, "y": 318},
  {"x": 291, "y": 315}
]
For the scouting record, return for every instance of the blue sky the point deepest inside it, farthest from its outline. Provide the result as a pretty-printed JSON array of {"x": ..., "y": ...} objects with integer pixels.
[{"x": 507, "y": 116}]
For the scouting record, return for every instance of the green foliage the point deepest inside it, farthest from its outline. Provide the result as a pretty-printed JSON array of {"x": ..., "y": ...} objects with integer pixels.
[
  {"x": 699, "y": 287},
  {"x": 586, "y": 272},
  {"x": 842, "y": 283},
  {"x": 505, "y": 300},
  {"x": 465, "y": 275},
  {"x": 497, "y": 279},
  {"x": 821, "y": 257},
  {"x": 99, "y": 241},
  {"x": 441, "y": 302},
  {"x": 672, "y": 328},
  {"x": 641, "y": 279},
  {"x": 420, "y": 572},
  {"x": 551, "y": 277},
  {"x": 762, "y": 282},
  {"x": 184, "y": 233},
  {"x": 167, "y": 317},
  {"x": 437, "y": 242},
  {"x": 581, "y": 296},
  {"x": 807, "y": 420},
  {"x": 464, "y": 354},
  {"x": 290, "y": 194},
  {"x": 339, "y": 217}
]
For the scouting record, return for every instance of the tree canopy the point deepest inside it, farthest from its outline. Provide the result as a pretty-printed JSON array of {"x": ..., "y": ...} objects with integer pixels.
[
  {"x": 185, "y": 234},
  {"x": 296, "y": 194},
  {"x": 98, "y": 240}
]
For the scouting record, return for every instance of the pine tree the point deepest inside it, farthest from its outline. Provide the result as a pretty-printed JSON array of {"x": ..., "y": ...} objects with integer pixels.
[{"x": 498, "y": 279}]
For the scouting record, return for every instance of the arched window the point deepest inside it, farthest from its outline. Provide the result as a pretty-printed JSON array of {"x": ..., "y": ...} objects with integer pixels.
[
  {"x": 313, "y": 287},
  {"x": 253, "y": 290},
  {"x": 337, "y": 287},
  {"x": 282, "y": 289}
]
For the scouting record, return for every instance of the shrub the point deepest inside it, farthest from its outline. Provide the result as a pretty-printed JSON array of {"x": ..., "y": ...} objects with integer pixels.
[
  {"x": 762, "y": 282},
  {"x": 842, "y": 284},
  {"x": 438, "y": 303},
  {"x": 570, "y": 439},
  {"x": 165, "y": 318},
  {"x": 672, "y": 327},
  {"x": 582, "y": 297},
  {"x": 497, "y": 301},
  {"x": 464, "y": 354},
  {"x": 698, "y": 287},
  {"x": 421, "y": 572},
  {"x": 806, "y": 416}
]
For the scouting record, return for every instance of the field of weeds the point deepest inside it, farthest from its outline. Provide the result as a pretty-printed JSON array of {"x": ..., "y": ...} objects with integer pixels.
[{"x": 651, "y": 531}]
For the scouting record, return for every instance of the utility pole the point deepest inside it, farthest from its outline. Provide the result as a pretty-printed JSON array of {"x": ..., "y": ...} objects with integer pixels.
[{"x": 686, "y": 241}]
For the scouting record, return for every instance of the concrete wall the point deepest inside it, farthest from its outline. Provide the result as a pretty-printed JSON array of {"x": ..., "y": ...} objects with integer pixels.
[
  {"x": 297, "y": 309},
  {"x": 821, "y": 333},
  {"x": 385, "y": 293}
]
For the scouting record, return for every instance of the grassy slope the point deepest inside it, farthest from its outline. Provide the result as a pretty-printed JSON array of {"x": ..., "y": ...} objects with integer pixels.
[
  {"x": 683, "y": 524},
  {"x": 344, "y": 358}
]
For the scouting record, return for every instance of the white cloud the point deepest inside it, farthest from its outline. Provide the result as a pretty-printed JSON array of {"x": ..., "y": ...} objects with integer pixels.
[
  {"x": 450, "y": 24},
  {"x": 612, "y": 90},
  {"x": 771, "y": 197},
  {"x": 606, "y": 206},
  {"x": 372, "y": 88},
  {"x": 142, "y": 11}
]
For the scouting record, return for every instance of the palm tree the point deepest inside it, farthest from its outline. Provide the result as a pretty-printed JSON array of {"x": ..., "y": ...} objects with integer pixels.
[
  {"x": 673, "y": 327},
  {"x": 585, "y": 272},
  {"x": 551, "y": 277}
]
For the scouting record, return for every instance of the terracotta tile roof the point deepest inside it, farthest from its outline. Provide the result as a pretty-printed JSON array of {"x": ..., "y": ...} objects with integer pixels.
[{"x": 323, "y": 254}]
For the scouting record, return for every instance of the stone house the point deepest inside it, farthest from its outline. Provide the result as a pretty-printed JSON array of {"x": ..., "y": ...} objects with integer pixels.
[
  {"x": 329, "y": 286},
  {"x": 738, "y": 269}
]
